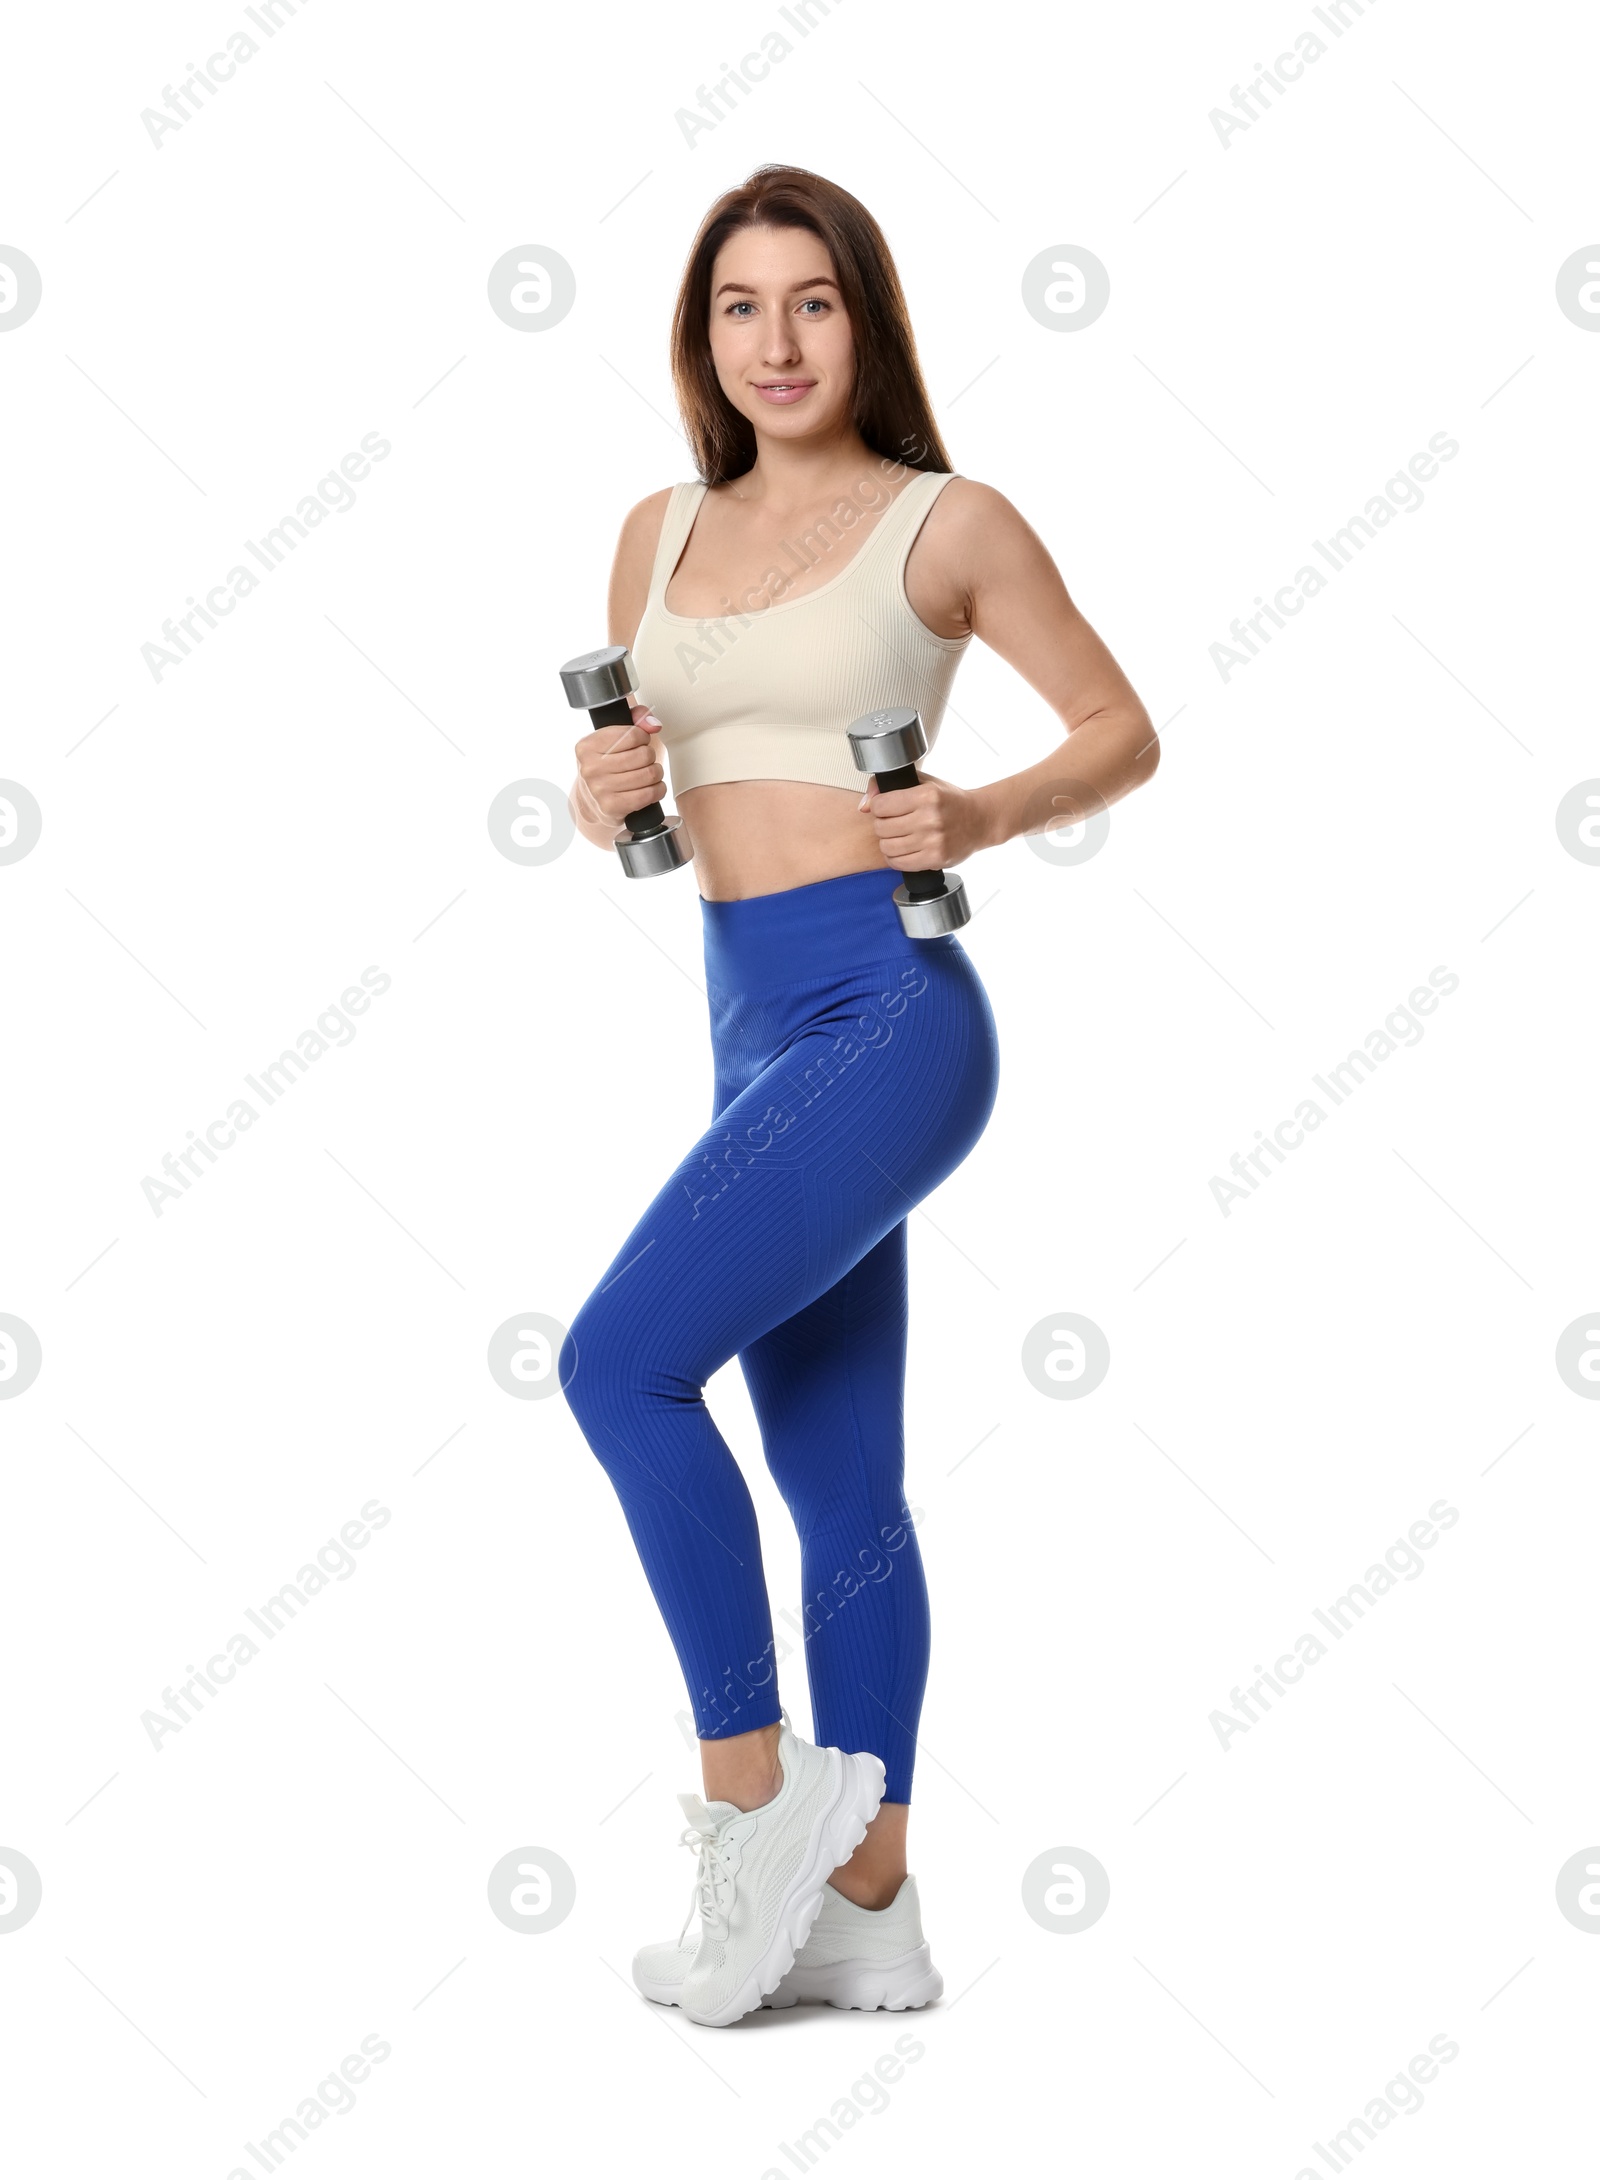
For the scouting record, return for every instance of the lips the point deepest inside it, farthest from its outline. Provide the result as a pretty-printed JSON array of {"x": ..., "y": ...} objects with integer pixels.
[{"x": 780, "y": 391}]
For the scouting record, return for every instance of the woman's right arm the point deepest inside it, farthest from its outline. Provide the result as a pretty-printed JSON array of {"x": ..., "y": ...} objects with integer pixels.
[{"x": 619, "y": 770}]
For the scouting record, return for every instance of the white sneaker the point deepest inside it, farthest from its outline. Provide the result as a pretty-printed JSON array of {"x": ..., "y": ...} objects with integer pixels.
[
  {"x": 855, "y": 1956},
  {"x": 761, "y": 1873}
]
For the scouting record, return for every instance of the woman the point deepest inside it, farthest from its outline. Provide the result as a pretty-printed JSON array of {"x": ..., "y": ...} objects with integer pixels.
[{"x": 828, "y": 565}]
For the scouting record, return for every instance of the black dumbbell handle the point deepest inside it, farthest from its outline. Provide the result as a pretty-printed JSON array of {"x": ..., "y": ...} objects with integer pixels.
[
  {"x": 921, "y": 885},
  {"x": 652, "y": 818}
]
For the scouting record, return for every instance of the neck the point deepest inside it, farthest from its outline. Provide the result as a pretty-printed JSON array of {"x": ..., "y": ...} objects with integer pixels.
[{"x": 789, "y": 476}]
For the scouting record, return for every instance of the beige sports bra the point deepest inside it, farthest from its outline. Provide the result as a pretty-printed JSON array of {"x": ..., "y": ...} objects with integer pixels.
[{"x": 767, "y": 692}]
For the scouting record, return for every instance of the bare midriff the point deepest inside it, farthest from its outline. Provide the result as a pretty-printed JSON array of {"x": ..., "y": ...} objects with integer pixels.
[{"x": 763, "y": 836}]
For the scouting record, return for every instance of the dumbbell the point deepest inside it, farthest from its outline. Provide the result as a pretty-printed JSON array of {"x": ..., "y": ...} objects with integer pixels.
[
  {"x": 887, "y": 744},
  {"x": 598, "y": 683}
]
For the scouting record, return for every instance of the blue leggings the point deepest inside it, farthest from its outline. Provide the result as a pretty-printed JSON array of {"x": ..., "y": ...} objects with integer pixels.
[{"x": 855, "y": 1069}]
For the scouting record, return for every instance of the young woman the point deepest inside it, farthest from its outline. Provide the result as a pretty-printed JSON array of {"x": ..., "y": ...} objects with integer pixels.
[{"x": 825, "y": 564}]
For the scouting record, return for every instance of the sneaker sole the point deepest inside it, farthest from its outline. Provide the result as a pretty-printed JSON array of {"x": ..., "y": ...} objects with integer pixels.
[
  {"x": 861, "y": 1783},
  {"x": 890, "y": 1986}
]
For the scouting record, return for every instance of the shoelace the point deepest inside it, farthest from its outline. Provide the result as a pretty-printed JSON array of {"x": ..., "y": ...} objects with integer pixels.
[
  {"x": 713, "y": 1888},
  {"x": 711, "y": 1874}
]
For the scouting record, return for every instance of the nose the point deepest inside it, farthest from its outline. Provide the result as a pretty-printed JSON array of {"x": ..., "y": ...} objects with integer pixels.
[{"x": 780, "y": 346}]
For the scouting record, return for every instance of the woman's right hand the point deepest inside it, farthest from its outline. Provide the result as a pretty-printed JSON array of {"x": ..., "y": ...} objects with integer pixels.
[{"x": 619, "y": 766}]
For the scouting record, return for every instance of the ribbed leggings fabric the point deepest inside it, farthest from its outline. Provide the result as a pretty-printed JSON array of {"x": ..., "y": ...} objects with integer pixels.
[{"x": 855, "y": 1067}]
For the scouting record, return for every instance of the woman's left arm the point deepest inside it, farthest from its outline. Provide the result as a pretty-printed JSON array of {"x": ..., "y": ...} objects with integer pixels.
[{"x": 993, "y": 569}]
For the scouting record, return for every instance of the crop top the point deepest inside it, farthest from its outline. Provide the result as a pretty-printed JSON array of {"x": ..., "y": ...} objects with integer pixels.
[{"x": 767, "y": 693}]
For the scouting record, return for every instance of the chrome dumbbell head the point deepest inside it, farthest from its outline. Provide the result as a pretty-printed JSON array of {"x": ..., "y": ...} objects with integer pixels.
[
  {"x": 884, "y": 741},
  {"x": 649, "y": 855},
  {"x": 936, "y": 913},
  {"x": 598, "y": 677}
]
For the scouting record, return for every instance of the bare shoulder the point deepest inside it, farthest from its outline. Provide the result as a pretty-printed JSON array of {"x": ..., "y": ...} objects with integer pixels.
[
  {"x": 641, "y": 527},
  {"x": 973, "y": 538},
  {"x": 979, "y": 520},
  {"x": 635, "y": 556}
]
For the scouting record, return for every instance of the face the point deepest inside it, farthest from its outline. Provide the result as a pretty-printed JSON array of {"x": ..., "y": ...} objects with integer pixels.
[{"x": 780, "y": 339}]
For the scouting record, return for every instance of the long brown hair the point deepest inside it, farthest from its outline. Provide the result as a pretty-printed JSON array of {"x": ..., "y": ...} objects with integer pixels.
[{"x": 889, "y": 403}]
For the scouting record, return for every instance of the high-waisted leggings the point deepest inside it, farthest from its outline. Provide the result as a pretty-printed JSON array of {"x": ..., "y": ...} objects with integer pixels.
[{"x": 855, "y": 1069}]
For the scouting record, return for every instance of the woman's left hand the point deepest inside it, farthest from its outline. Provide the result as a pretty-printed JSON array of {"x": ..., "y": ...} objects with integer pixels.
[{"x": 927, "y": 827}]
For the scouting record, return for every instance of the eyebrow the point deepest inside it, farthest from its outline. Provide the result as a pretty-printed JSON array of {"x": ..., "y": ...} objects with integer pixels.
[{"x": 738, "y": 287}]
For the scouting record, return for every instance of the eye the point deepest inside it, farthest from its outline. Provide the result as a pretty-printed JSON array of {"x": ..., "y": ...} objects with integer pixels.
[
  {"x": 732, "y": 307},
  {"x": 821, "y": 302}
]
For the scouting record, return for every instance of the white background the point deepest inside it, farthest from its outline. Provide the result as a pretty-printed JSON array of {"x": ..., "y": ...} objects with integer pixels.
[{"x": 223, "y": 1386}]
